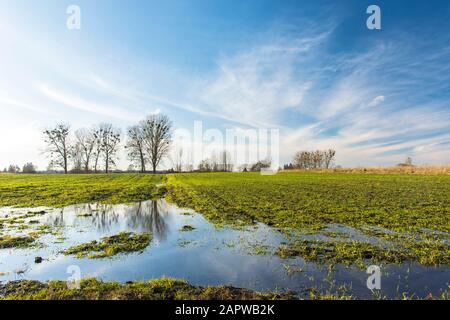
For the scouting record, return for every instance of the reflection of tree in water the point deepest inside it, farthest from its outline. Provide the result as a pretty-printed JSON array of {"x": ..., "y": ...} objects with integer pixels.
[
  {"x": 104, "y": 217},
  {"x": 148, "y": 216},
  {"x": 56, "y": 219}
]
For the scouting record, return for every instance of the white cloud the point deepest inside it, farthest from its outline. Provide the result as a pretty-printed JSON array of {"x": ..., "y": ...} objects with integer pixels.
[
  {"x": 6, "y": 101},
  {"x": 347, "y": 95},
  {"x": 376, "y": 101},
  {"x": 77, "y": 102},
  {"x": 286, "y": 76},
  {"x": 253, "y": 87}
]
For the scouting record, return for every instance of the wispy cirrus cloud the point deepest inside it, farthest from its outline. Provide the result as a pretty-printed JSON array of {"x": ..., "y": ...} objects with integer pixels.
[
  {"x": 254, "y": 86},
  {"x": 73, "y": 101},
  {"x": 377, "y": 101},
  {"x": 353, "y": 115}
]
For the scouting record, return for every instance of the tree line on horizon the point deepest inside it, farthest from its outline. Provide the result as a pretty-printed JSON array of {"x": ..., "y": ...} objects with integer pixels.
[
  {"x": 317, "y": 159},
  {"x": 96, "y": 149},
  {"x": 147, "y": 143}
]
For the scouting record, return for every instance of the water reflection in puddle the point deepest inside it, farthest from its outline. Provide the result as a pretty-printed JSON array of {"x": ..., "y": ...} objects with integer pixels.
[{"x": 204, "y": 256}]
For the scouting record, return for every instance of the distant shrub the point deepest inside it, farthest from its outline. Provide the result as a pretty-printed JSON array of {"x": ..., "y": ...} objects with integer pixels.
[{"x": 29, "y": 168}]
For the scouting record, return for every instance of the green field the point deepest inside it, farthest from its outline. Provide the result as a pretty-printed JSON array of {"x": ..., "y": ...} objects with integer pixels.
[
  {"x": 410, "y": 213},
  {"x": 60, "y": 190},
  {"x": 310, "y": 200},
  {"x": 403, "y": 210}
]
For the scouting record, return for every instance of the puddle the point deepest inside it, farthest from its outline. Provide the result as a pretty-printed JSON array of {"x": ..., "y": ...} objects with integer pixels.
[{"x": 204, "y": 255}]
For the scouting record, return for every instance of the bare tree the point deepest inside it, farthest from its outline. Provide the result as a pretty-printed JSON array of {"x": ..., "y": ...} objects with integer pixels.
[
  {"x": 261, "y": 164},
  {"x": 97, "y": 151},
  {"x": 136, "y": 146},
  {"x": 84, "y": 147},
  {"x": 314, "y": 159},
  {"x": 329, "y": 157},
  {"x": 158, "y": 138},
  {"x": 75, "y": 155},
  {"x": 317, "y": 159},
  {"x": 13, "y": 169},
  {"x": 226, "y": 161},
  {"x": 205, "y": 165},
  {"x": 29, "y": 168},
  {"x": 109, "y": 139},
  {"x": 302, "y": 160},
  {"x": 408, "y": 161},
  {"x": 214, "y": 162},
  {"x": 57, "y": 140},
  {"x": 179, "y": 159}
]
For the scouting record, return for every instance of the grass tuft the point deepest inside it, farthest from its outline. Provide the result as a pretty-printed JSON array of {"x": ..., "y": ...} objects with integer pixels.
[
  {"x": 158, "y": 289},
  {"x": 124, "y": 242}
]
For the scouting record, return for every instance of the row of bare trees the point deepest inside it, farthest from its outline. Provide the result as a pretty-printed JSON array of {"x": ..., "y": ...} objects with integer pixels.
[
  {"x": 149, "y": 141},
  {"x": 221, "y": 163},
  {"x": 95, "y": 145},
  {"x": 92, "y": 148},
  {"x": 318, "y": 159},
  {"x": 29, "y": 167}
]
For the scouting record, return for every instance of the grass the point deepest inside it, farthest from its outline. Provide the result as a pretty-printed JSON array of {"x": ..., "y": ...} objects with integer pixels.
[
  {"x": 35, "y": 190},
  {"x": 7, "y": 242},
  {"x": 401, "y": 216},
  {"x": 20, "y": 230},
  {"x": 307, "y": 202},
  {"x": 124, "y": 242},
  {"x": 407, "y": 210},
  {"x": 357, "y": 252},
  {"x": 160, "y": 289},
  {"x": 164, "y": 289},
  {"x": 313, "y": 200},
  {"x": 443, "y": 169}
]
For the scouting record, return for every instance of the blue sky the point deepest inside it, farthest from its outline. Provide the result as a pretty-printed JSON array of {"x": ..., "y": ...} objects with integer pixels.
[{"x": 310, "y": 68}]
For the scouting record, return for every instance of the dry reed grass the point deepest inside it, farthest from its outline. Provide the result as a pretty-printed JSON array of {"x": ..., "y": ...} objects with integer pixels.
[{"x": 444, "y": 169}]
